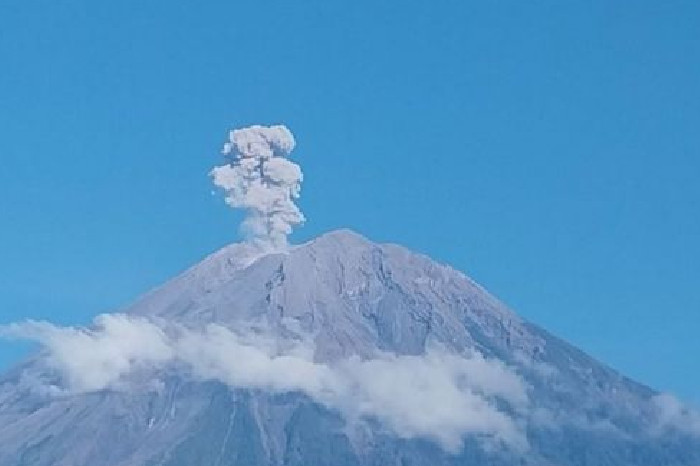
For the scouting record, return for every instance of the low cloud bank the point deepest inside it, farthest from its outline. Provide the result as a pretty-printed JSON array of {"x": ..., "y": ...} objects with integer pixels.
[{"x": 438, "y": 396}]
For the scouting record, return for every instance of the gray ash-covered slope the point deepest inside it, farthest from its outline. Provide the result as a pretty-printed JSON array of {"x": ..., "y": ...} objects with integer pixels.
[{"x": 355, "y": 298}]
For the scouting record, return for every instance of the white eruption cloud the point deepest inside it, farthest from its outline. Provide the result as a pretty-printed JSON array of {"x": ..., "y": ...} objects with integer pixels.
[
  {"x": 261, "y": 180},
  {"x": 439, "y": 396}
]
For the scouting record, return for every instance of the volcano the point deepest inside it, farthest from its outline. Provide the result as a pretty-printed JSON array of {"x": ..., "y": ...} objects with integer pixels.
[{"x": 409, "y": 362}]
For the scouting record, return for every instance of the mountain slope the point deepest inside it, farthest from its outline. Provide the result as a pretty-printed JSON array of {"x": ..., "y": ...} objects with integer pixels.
[{"x": 350, "y": 298}]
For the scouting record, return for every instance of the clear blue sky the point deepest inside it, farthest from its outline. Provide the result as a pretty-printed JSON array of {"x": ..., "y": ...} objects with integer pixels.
[{"x": 549, "y": 149}]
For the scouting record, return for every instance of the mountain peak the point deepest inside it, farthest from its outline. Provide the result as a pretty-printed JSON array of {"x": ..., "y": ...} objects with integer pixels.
[
  {"x": 354, "y": 295},
  {"x": 344, "y": 236}
]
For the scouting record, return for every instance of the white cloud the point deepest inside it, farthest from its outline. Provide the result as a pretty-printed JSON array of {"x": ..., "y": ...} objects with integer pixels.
[
  {"x": 673, "y": 414},
  {"x": 438, "y": 396},
  {"x": 262, "y": 181},
  {"x": 93, "y": 359},
  {"x": 217, "y": 353}
]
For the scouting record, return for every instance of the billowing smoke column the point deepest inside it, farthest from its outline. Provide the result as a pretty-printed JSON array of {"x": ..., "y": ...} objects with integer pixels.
[{"x": 261, "y": 180}]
